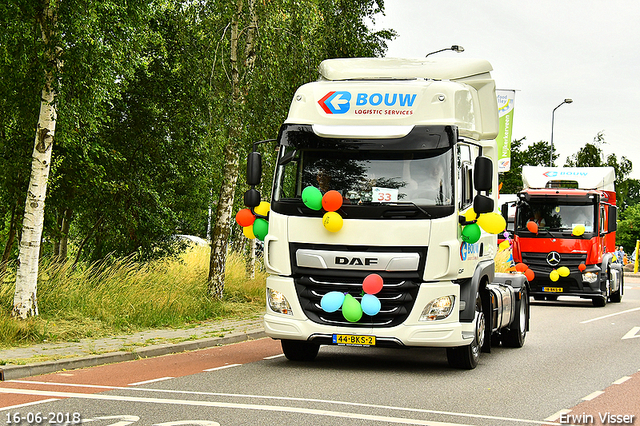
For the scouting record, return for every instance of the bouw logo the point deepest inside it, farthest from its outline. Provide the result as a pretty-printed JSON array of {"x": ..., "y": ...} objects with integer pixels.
[{"x": 335, "y": 102}]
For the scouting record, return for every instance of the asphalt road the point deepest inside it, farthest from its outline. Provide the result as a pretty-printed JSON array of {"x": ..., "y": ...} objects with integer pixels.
[{"x": 577, "y": 360}]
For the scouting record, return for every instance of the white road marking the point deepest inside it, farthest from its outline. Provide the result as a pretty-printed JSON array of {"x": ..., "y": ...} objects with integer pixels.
[
  {"x": 611, "y": 315},
  {"x": 222, "y": 368},
  {"x": 556, "y": 416},
  {"x": 274, "y": 356},
  {"x": 100, "y": 396},
  {"x": 150, "y": 381},
  {"x": 26, "y": 404},
  {"x": 632, "y": 334},
  {"x": 621, "y": 380},
  {"x": 592, "y": 395}
]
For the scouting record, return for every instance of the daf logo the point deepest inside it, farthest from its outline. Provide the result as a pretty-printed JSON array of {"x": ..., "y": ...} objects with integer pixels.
[
  {"x": 367, "y": 261},
  {"x": 553, "y": 258}
]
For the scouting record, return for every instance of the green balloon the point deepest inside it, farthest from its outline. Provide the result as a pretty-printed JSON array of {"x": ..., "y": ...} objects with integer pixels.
[
  {"x": 351, "y": 309},
  {"x": 312, "y": 197},
  {"x": 471, "y": 233},
  {"x": 260, "y": 228}
]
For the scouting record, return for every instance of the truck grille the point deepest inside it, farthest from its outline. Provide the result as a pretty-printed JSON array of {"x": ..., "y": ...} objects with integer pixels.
[
  {"x": 397, "y": 298},
  {"x": 538, "y": 261}
]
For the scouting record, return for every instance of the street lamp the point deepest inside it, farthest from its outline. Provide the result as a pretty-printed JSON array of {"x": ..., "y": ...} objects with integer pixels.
[
  {"x": 566, "y": 101},
  {"x": 455, "y": 48}
]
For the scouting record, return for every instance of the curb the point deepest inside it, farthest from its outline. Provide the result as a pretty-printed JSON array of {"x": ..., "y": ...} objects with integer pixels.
[{"x": 11, "y": 372}]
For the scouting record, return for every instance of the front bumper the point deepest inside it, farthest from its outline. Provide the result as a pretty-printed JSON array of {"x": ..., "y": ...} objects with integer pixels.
[{"x": 449, "y": 332}]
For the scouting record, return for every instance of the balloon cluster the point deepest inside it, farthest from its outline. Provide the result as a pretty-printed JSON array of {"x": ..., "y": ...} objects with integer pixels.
[
  {"x": 253, "y": 226},
  {"x": 493, "y": 223},
  {"x": 352, "y": 310},
  {"x": 330, "y": 202},
  {"x": 562, "y": 271},
  {"x": 524, "y": 269}
]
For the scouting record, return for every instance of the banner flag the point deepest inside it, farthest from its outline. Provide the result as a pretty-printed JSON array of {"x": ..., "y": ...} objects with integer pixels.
[{"x": 506, "y": 101}]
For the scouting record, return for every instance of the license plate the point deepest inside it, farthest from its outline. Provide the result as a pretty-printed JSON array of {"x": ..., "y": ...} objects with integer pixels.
[
  {"x": 353, "y": 340},
  {"x": 552, "y": 289}
]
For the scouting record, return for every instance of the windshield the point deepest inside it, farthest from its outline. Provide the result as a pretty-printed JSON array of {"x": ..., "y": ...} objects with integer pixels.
[
  {"x": 366, "y": 174},
  {"x": 555, "y": 216}
]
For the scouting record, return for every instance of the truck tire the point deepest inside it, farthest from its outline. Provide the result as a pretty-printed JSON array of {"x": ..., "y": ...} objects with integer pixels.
[
  {"x": 466, "y": 357},
  {"x": 616, "y": 297},
  {"x": 299, "y": 350},
  {"x": 515, "y": 336}
]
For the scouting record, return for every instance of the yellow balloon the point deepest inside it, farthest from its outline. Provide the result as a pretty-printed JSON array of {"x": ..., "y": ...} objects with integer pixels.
[
  {"x": 332, "y": 221},
  {"x": 492, "y": 223},
  {"x": 263, "y": 208},
  {"x": 554, "y": 275},
  {"x": 578, "y": 230},
  {"x": 563, "y": 271},
  {"x": 470, "y": 215},
  {"x": 248, "y": 232},
  {"x": 504, "y": 245}
]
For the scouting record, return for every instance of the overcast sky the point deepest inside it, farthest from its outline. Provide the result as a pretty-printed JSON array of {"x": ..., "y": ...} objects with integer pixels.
[{"x": 546, "y": 50}]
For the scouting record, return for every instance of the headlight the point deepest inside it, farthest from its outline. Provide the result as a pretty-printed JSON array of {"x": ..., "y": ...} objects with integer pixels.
[
  {"x": 438, "y": 309},
  {"x": 590, "y": 277},
  {"x": 278, "y": 303}
]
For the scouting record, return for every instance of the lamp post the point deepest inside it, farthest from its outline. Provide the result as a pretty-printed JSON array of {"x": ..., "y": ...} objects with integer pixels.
[
  {"x": 566, "y": 101},
  {"x": 455, "y": 48}
]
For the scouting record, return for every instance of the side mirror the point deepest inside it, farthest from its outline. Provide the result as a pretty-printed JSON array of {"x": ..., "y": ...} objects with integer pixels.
[
  {"x": 252, "y": 198},
  {"x": 482, "y": 204},
  {"x": 483, "y": 174},
  {"x": 254, "y": 168}
]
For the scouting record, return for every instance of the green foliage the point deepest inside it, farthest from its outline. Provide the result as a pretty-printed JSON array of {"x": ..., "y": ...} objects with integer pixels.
[
  {"x": 536, "y": 154},
  {"x": 629, "y": 228}
]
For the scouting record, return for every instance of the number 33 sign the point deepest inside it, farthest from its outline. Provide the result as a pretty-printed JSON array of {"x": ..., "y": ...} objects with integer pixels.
[{"x": 382, "y": 195}]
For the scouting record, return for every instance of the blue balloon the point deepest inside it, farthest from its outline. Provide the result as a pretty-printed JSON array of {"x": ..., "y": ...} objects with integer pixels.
[
  {"x": 332, "y": 301},
  {"x": 370, "y": 304}
]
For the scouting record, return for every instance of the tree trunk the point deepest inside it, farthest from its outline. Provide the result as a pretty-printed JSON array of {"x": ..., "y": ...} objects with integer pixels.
[
  {"x": 25, "y": 302},
  {"x": 11, "y": 238},
  {"x": 251, "y": 261},
  {"x": 223, "y": 221},
  {"x": 64, "y": 237}
]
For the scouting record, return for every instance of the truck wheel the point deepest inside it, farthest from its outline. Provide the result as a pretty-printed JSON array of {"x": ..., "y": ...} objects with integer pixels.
[
  {"x": 299, "y": 350},
  {"x": 616, "y": 297},
  {"x": 515, "y": 336},
  {"x": 466, "y": 357}
]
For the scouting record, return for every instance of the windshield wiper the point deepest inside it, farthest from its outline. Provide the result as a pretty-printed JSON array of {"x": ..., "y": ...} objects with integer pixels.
[{"x": 407, "y": 203}]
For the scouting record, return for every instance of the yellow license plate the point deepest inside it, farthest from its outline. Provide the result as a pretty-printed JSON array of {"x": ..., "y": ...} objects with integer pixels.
[
  {"x": 552, "y": 289},
  {"x": 353, "y": 340}
]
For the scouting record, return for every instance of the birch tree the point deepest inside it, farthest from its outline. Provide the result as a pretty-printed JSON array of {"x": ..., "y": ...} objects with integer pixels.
[
  {"x": 242, "y": 56},
  {"x": 25, "y": 302}
]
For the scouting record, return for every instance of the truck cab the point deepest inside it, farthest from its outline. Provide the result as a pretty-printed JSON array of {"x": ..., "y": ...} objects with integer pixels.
[
  {"x": 408, "y": 147},
  {"x": 566, "y": 218}
]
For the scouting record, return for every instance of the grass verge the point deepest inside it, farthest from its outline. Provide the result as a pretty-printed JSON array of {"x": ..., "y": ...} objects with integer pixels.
[{"x": 125, "y": 296}]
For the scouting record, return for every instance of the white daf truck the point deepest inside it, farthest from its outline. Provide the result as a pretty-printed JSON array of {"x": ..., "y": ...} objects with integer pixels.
[{"x": 409, "y": 147}]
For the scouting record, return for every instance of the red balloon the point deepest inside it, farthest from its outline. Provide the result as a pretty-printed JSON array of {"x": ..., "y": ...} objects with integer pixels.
[
  {"x": 245, "y": 218},
  {"x": 532, "y": 227},
  {"x": 332, "y": 201},
  {"x": 372, "y": 284},
  {"x": 529, "y": 274},
  {"x": 521, "y": 267},
  {"x": 582, "y": 267}
]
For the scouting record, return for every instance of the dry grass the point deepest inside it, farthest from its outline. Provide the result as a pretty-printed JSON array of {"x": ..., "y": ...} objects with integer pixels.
[{"x": 123, "y": 296}]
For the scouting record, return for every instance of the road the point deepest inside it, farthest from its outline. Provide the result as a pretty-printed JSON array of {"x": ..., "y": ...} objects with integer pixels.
[{"x": 577, "y": 360}]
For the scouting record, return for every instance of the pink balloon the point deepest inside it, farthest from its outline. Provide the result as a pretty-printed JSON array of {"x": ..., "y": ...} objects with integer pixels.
[{"x": 372, "y": 284}]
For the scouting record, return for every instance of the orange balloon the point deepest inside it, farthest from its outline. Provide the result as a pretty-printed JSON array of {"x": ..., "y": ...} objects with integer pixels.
[
  {"x": 332, "y": 201},
  {"x": 521, "y": 267},
  {"x": 582, "y": 267},
  {"x": 529, "y": 274},
  {"x": 532, "y": 227},
  {"x": 245, "y": 218}
]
